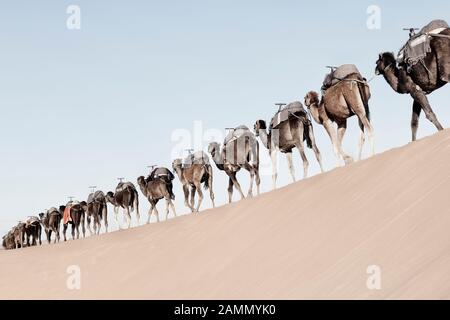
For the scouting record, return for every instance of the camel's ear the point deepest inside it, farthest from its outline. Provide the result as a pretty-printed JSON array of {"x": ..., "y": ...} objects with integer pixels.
[{"x": 380, "y": 56}]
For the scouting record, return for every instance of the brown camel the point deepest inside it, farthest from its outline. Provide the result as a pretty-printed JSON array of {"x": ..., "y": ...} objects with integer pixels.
[
  {"x": 8, "y": 242},
  {"x": 126, "y": 197},
  {"x": 33, "y": 231},
  {"x": 195, "y": 171},
  {"x": 18, "y": 233},
  {"x": 155, "y": 190},
  {"x": 240, "y": 150},
  {"x": 51, "y": 221},
  {"x": 343, "y": 100},
  {"x": 96, "y": 210},
  {"x": 288, "y": 135},
  {"x": 76, "y": 218},
  {"x": 421, "y": 79}
]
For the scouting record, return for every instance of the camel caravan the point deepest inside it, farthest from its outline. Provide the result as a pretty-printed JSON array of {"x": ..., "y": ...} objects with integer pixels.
[{"x": 421, "y": 67}]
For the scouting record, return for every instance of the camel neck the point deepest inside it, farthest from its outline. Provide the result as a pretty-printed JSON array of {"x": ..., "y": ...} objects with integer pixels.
[
  {"x": 264, "y": 136},
  {"x": 391, "y": 76},
  {"x": 218, "y": 160}
]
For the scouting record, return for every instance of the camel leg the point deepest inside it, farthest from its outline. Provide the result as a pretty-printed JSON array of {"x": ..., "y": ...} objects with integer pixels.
[
  {"x": 328, "y": 125},
  {"x": 237, "y": 185},
  {"x": 150, "y": 211},
  {"x": 186, "y": 197},
  {"x": 314, "y": 146},
  {"x": 291, "y": 165},
  {"x": 172, "y": 206},
  {"x": 252, "y": 178},
  {"x": 369, "y": 129},
  {"x": 155, "y": 210},
  {"x": 116, "y": 213},
  {"x": 211, "y": 192},
  {"x": 274, "y": 158},
  {"x": 193, "y": 189},
  {"x": 362, "y": 139},
  {"x": 200, "y": 196},
  {"x": 422, "y": 99},
  {"x": 64, "y": 231},
  {"x": 257, "y": 180},
  {"x": 301, "y": 149},
  {"x": 416, "y": 109},
  {"x": 105, "y": 219},
  {"x": 39, "y": 232},
  {"x": 83, "y": 227},
  {"x": 230, "y": 190},
  {"x": 88, "y": 222},
  {"x": 128, "y": 216},
  {"x": 342, "y": 127}
]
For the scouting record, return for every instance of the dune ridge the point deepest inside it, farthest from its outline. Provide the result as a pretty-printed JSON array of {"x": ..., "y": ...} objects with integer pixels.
[{"x": 311, "y": 239}]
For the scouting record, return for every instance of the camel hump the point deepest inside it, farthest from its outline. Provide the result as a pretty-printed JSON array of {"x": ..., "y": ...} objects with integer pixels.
[
  {"x": 236, "y": 133},
  {"x": 198, "y": 157},
  {"x": 435, "y": 26},
  {"x": 95, "y": 196},
  {"x": 419, "y": 45},
  {"x": 293, "y": 109},
  {"x": 338, "y": 74}
]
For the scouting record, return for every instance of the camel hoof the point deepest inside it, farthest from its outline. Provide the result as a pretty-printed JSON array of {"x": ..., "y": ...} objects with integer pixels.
[{"x": 348, "y": 160}]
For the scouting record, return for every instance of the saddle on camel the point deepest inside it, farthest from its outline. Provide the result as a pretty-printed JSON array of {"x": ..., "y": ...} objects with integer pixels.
[
  {"x": 66, "y": 214},
  {"x": 419, "y": 45},
  {"x": 339, "y": 74},
  {"x": 234, "y": 145},
  {"x": 294, "y": 110},
  {"x": 164, "y": 175}
]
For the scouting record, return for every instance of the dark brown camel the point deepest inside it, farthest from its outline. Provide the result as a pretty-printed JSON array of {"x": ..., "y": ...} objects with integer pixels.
[
  {"x": 96, "y": 210},
  {"x": 33, "y": 231},
  {"x": 77, "y": 218},
  {"x": 420, "y": 79},
  {"x": 347, "y": 98},
  {"x": 192, "y": 174},
  {"x": 155, "y": 190},
  {"x": 289, "y": 135},
  {"x": 241, "y": 150},
  {"x": 51, "y": 221},
  {"x": 126, "y": 197}
]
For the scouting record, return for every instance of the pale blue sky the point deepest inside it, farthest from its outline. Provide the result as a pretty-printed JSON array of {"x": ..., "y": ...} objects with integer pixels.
[{"x": 85, "y": 107}]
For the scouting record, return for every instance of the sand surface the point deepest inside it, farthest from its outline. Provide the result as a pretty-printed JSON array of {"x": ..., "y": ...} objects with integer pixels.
[{"x": 312, "y": 239}]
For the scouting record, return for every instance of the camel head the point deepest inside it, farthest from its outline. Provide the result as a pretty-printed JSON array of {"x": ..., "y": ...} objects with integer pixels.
[
  {"x": 259, "y": 125},
  {"x": 213, "y": 148},
  {"x": 110, "y": 198},
  {"x": 311, "y": 98},
  {"x": 385, "y": 61},
  {"x": 142, "y": 184},
  {"x": 177, "y": 164}
]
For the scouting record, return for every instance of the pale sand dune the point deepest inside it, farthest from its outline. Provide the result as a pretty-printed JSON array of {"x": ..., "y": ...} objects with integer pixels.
[{"x": 312, "y": 239}]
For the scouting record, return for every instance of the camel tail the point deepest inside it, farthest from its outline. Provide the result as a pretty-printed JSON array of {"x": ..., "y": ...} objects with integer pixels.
[
  {"x": 364, "y": 91},
  {"x": 306, "y": 134},
  {"x": 136, "y": 201},
  {"x": 206, "y": 185}
]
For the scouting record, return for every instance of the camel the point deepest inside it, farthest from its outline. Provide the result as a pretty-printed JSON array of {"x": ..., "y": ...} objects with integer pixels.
[
  {"x": 33, "y": 231},
  {"x": 127, "y": 198},
  {"x": 288, "y": 135},
  {"x": 164, "y": 174},
  {"x": 155, "y": 189},
  {"x": 343, "y": 100},
  {"x": 421, "y": 79},
  {"x": 75, "y": 217},
  {"x": 192, "y": 174},
  {"x": 8, "y": 242},
  {"x": 18, "y": 233},
  {"x": 51, "y": 221},
  {"x": 240, "y": 150},
  {"x": 96, "y": 210}
]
